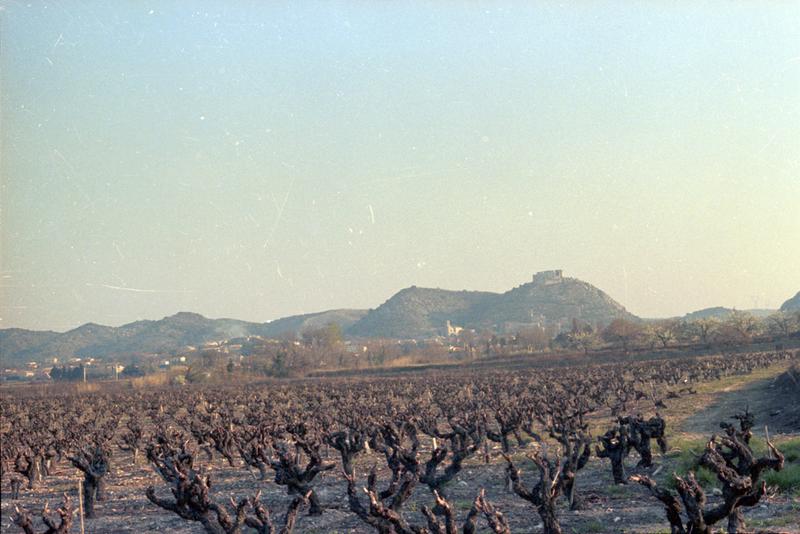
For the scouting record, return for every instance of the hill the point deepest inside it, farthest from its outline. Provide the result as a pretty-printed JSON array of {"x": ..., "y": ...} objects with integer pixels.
[
  {"x": 417, "y": 312},
  {"x": 170, "y": 334},
  {"x": 300, "y": 323},
  {"x": 720, "y": 312},
  {"x": 16, "y": 344},
  {"x": 792, "y": 304},
  {"x": 165, "y": 335},
  {"x": 717, "y": 312},
  {"x": 555, "y": 300},
  {"x": 549, "y": 299}
]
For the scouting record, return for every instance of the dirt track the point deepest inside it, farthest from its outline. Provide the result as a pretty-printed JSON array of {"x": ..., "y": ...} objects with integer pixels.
[{"x": 774, "y": 403}]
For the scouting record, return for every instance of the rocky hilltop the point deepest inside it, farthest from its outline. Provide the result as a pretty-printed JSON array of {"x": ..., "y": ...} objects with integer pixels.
[{"x": 548, "y": 299}]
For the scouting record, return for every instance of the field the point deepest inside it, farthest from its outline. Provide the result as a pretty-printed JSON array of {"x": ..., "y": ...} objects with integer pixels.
[{"x": 443, "y": 430}]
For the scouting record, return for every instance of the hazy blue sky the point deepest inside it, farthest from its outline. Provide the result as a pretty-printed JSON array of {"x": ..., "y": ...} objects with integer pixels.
[{"x": 259, "y": 160}]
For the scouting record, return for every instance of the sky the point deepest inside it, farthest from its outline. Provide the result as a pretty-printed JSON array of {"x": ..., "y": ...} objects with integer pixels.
[{"x": 257, "y": 160}]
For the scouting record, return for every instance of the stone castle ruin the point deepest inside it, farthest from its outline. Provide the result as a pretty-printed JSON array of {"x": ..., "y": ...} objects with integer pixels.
[{"x": 548, "y": 277}]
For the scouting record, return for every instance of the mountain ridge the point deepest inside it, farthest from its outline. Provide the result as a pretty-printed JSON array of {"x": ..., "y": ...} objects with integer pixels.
[
  {"x": 168, "y": 334},
  {"x": 549, "y": 299}
]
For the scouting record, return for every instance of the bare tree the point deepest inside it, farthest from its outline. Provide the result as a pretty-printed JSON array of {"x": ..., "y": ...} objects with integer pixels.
[
  {"x": 740, "y": 327},
  {"x": 665, "y": 331},
  {"x": 623, "y": 333},
  {"x": 782, "y": 323}
]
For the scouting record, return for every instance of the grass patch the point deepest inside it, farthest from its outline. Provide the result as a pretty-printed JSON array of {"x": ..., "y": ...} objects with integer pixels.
[
  {"x": 685, "y": 451},
  {"x": 680, "y": 445},
  {"x": 619, "y": 490},
  {"x": 706, "y": 478},
  {"x": 684, "y": 448},
  {"x": 592, "y": 526},
  {"x": 790, "y": 449},
  {"x": 683, "y": 456},
  {"x": 782, "y": 521},
  {"x": 787, "y": 480}
]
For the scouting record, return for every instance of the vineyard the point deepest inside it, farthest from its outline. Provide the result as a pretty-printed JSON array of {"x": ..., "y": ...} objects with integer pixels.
[{"x": 591, "y": 448}]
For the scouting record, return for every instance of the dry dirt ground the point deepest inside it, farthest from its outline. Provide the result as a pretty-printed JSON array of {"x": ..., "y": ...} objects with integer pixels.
[{"x": 609, "y": 508}]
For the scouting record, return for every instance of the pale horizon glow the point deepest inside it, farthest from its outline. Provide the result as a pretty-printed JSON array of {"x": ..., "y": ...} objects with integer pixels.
[{"x": 258, "y": 160}]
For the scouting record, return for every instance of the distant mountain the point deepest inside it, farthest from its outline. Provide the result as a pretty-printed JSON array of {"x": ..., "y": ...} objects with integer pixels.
[
  {"x": 720, "y": 312},
  {"x": 792, "y": 304},
  {"x": 417, "y": 312},
  {"x": 166, "y": 335},
  {"x": 717, "y": 312},
  {"x": 16, "y": 343},
  {"x": 300, "y": 323},
  {"x": 549, "y": 299}
]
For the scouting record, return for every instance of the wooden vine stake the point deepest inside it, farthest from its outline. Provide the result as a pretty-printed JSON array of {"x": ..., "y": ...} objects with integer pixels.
[
  {"x": 80, "y": 502},
  {"x": 766, "y": 434}
]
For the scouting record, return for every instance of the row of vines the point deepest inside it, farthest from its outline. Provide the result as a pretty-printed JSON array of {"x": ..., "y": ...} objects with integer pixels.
[{"x": 386, "y": 439}]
